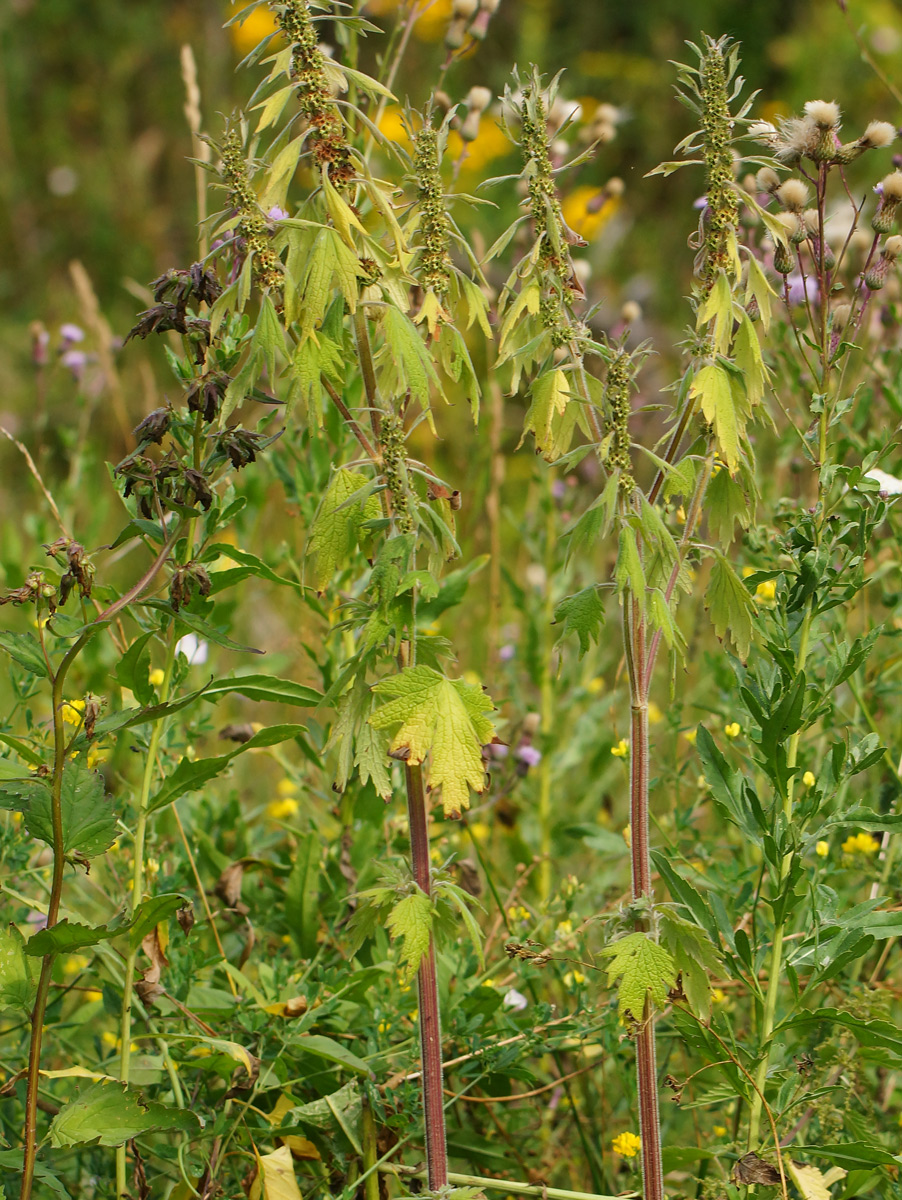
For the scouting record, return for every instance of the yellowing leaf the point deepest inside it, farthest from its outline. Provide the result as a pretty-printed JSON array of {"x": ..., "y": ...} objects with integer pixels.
[
  {"x": 645, "y": 971},
  {"x": 444, "y": 718},
  {"x": 300, "y": 1147},
  {"x": 758, "y": 287},
  {"x": 343, "y": 216},
  {"x": 275, "y": 1177},
  {"x": 731, "y": 606},
  {"x": 411, "y": 920},
  {"x": 550, "y": 395},
  {"x": 337, "y": 523},
  {"x": 712, "y": 386},
  {"x": 747, "y": 355},
  {"x": 529, "y": 299},
  {"x": 718, "y": 307},
  {"x": 811, "y": 1182},
  {"x": 431, "y": 312}
]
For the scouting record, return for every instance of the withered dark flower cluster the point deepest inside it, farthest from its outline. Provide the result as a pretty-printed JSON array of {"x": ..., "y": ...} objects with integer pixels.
[
  {"x": 186, "y": 581},
  {"x": 206, "y": 392},
  {"x": 167, "y": 481},
  {"x": 79, "y": 573}
]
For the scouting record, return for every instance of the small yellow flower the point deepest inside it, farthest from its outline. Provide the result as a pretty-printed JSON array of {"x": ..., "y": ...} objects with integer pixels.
[
  {"x": 732, "y": 730},
  {"x": 109, "y": 1039},
  {"x": 480, "y": 830},
  {"x": 861, "y": 843},
  {"x": 622, "y": 749},
  {"x": 627, "y": 832},
  {"x": 573, "y": 978},
  {"x": 701, "y": 782},
  {"x": 156, "y": 677},
  {"x": 96, "y": 755},
  {"x": 766, "y": 591},
  {"x": 280, "y": 809},
  {"x": 690, "y": 735},
  {"x": 286, "y": 787},
  {"x": 564, "y": 929},
  {"x": 382, "y": 1027},
  {"x": 436, "y": 855},
  {"x": 747, "y": 571},
  {"x": 594, "y": 686},
  {"x": 822, "y": 849},
  {"x": 627, "y": 1145},
  {"x": 681, "y": 515},
  {"x": 472, "y": 678},
  {"x": 808, "y": 779},
  {"x": 405, "y": 987},
  {"x": 587, "y": 210},
  {"x": 73, "y": 711},
  {"x": 92, "y": 996},
  {"x": 719, "y": 1131},
  {"x": 152, "y": 867},
  {"x": 655, "y": 716},
  {"x": 73, "y": 963},
  {"x": 518, "y": 913},
  {"x": 490, "y": 982},
  {"x": 718, "y": 996}
]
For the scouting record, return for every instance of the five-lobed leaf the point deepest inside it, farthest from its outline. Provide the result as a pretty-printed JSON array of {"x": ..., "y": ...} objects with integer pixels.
[
  {"x": 645, "y": 970},
  {"x": 444, "y": 718},
  {"x": 730, "y": 605},
  {"x": 411, "y": 920},
  {"x": 337, "y": 525},
  {"x": 582, "y": 614}
]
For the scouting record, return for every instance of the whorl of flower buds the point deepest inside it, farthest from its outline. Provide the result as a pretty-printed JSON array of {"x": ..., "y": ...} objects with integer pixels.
[
  {"x": 717, "y": 133},
  {"x": 784, "y": 260},
  {"x": 434, "y": 225},
  {"x": 327, "y": 138},
  {"x": 477, "y": 101},
  {"x": 890, "y": 190},
  {"x": 252, "y": 225},
  {"x": 394, "y": 459},
  {"x": 619, "y": 409},
  {"x": 875, "y": 275}
]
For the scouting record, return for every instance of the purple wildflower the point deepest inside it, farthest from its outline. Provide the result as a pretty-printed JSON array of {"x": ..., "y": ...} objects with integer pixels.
[{"x": 529, "y": 755}]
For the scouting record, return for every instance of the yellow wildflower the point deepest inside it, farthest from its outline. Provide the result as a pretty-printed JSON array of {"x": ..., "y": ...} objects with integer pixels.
[
  {"x": 490, "y": 982},
  {"x": 73, "y": 963},
  {"x": 594, "y": 686},
  {"x": 479, "y": 830},
  {"x": 627, "y": 1145},
  {"x": 718, "y": 996},
  {"x": 822, "y": 849},
  {"x": 655, "y": 716},
  {"x": 587, "y": 210},
  {"x": 96, "y": 755},
  {"x": 73, "y": 711},
  {"x": 747, "y": 571},
  {"x": 286, "y": 787},
  {"x": 622, "y": 749},
  {"x": 732, "y": 730},
  {"x": 109, "y": 1039},
  {"x": 382, "y": 1027},
  {"x": 701, "y": 782},
  {"x": 719, "y": 1131},
  {"x": 518, "y": 913},
  {"x": 808, "y": 779},
  {"x": 573, "y": 978},
  {"x": 280, "y": 809},
  {"x": 152, "y": 867},
  {"x": 766, "y": 591},
  {"x": 92, "y": 996},
  {"x": 681, "y": 515},
  {"x": 253, "y": 29},
  {"x": 861, "y": 843},
  {"x": 564, "y": 929},
  {"x": 690, "y": 735},
  {"x": 627, "y": 832},
  {"x": 156, "y": 677}
]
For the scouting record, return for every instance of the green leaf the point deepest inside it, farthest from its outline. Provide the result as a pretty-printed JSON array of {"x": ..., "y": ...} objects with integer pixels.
[
  {"x": 712, "y": 386},
  {"x": 269, "y": 338},
  {"x": 450, "y": 892},
  {"x": 332, "y": 1051},
  {"x": 111, "y": 1114},
  {"x": 89, "y": 823},
  {"x": 66, "y": 936},
  {"x": 410, "y": 360},
  {"x": 725, "y": 504},
  {"x": 758, "y": 286},
  {"x": 25, "y": 649},
  {"x": 445, "y": 718},
  {"x": 268, "y": 688},
  {"x": 694, "y": 955},
  {"x": 16, "y": 985},
  {"x": 550, "y": 396},
  {"x": 718, "y": 307},
  {"x": 853, "y": 1155},
  {"x": 747, "y": 356},
  {"x": 884, "y": 1036},
  {"x": 188, "y": 776},
  {"x": 411, "y": 920},
  {"x": 582, "y": 614},
  {"x": 730, "y": 605},
  {"x": 628, "y": 572},
  {"x": 150, "y": 913},
  {"x": 646, "y": 971},
  {"x": 336, "y": 528},
  {"x": 343, "y": 216},
  {"x": 133, "y": 669},
  {"x": 301, "y": 895}
]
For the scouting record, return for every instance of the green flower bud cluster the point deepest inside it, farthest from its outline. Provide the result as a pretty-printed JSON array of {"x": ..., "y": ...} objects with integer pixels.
[
  {"x": 434, "y": 224},
  {"x": 328, "y": 136},
  {"x": 252, "y": 225},
  {"x": 619, "y": 408},
  {"x": 717, "y": 136},
  {"x": 394, "y": 460}
]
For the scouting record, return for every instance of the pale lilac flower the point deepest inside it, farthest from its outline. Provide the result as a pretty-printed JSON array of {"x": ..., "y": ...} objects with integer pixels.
[
  {"x": 71, "y": 333},
  {"x": 797, "y": 288},
  {"x": 75, "y": 360},
  {"x": 701, "y": 202},
  {"x": 498, "y": 750},
  {"x": 277, "y": 214},
  {"x": 529, "y": 755},
  {"x": 506, "y": 653}
]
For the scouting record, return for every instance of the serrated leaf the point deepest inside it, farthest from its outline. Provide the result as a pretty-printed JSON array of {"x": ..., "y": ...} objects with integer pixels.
[
  {"x": 582, "y": 614},
  {"x": 628, "y": 573},
  {"x": 694, "y": 955},
  {"x": 111, "y": 1114},
  {"x": 725, "y": 504},
  {"x": 89, "y": 823},
  {"x": 408, "y": 360},
  {"x": 550, "y": 396},
  {"x": 747, "y": 356},
  {"x": 810, "y": 1181},
  {"x": 25, "y": 649},
  {"x": 758, "y": 287},
  {"x": 718, "y": 308},
  {"x": 411, "y": 920},
  {"x": 336, "y": 527},
  {"x": 16, "y": 984},
  {"x": 301, "y": 895},
  {"x": 645, "y": 971},
  {"x": 712, "y": 387},
  {"x": 444, "y": 718},
  {"x": 343, "y": 216},
  {"x": 731, "y": 606}
]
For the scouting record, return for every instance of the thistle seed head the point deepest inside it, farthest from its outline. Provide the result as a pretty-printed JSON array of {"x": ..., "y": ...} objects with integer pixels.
[{"x": 793, "y": 195}]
